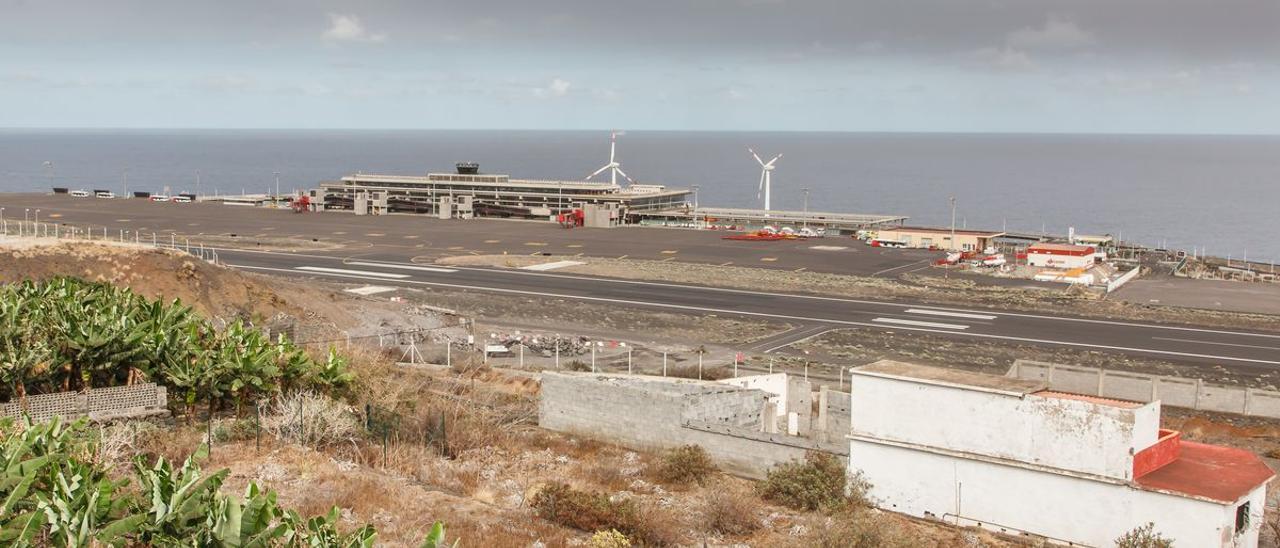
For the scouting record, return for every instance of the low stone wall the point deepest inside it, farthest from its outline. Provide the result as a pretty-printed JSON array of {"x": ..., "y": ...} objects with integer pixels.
[
  {"x": 99, "y": 404},
  {"x": 1173, "y": 391},
  {"x": 655, "y": 413}
]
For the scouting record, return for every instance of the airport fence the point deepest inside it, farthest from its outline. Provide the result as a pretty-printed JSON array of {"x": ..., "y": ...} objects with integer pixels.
[{"x": 66, "y": 232}]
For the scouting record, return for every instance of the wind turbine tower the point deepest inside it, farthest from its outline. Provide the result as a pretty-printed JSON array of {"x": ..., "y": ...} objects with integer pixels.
[
  {"x": 766, "y": 171},
  {"x": 613, "y": 166}
]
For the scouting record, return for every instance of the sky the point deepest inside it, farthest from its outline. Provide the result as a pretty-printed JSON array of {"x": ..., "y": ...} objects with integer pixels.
[{"x": 1075, "y": 66}]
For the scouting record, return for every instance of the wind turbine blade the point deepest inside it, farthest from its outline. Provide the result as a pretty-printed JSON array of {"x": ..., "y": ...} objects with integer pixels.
[
  {"x": 775, "y": 158},
  {"x": 760, "y": 189},
  {"x": 624, "y": 175},
  {"x": 756, "y": 156},
  {"x": 599, "y": 171}
]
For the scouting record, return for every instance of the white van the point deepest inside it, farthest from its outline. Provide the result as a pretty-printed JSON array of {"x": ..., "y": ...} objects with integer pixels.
[
  {"x": 80, "y": 193},
  {"x": 105, "y": 194}
]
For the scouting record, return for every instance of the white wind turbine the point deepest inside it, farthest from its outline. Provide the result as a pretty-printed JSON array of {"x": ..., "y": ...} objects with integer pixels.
[
  {"x": 766, "y": 170},
  {"x": 613, "y": 165}
]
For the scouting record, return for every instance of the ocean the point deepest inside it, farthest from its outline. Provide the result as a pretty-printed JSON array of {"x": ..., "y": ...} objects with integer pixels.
[{"x": 1217, "y": 193}]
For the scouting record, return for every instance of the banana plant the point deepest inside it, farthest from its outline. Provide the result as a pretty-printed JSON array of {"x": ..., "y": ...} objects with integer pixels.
[{"x": 176, "y": 501}]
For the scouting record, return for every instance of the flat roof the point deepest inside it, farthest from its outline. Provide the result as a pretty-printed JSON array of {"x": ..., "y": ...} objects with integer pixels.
[
  {"x": 543, "y": 184},
  {"x": 775, "y": 215},
  {"x": 1123, "y": 404},
  {"x": 959, "y": 232},
  {"x": 1070, "y": 248},
  {"x": 1221, "y": 474},
  {"x": 956, "y": 378}
]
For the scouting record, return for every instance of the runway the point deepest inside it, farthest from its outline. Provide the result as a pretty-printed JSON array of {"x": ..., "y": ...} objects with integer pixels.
[{"x": 1201, "y": 346}]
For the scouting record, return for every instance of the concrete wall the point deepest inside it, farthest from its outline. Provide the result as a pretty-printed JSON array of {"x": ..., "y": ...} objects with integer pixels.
[
  {"x": 655, "y": 413},
  {"x": 833, "y": 414},
  {"x": 774, "y": 384},
  {"x": 114, "y": 402},
  {"x": 1062, "y": 507},
  {"x": 1174, "y": 391},
  {"x": 1047, "y": 431}
]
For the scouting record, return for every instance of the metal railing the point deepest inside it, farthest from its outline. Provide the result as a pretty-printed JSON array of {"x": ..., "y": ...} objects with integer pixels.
[{"x": 69, "y": 233}]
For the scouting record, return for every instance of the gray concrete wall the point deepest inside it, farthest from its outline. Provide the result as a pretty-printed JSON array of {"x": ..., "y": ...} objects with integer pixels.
[
  {"x": 1173, "y": 391},
  {"x": 653, "y": 414},
  {"x": 838, "y": 417},
  {"x": 114, "y": 402}
]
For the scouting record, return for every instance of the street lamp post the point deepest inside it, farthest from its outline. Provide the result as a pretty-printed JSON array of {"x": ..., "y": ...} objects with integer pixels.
[
  {"x": 197, "y": 184},
  {"x": 124, "y": 181},
  {"x": 276, "y": 199},
  {"x": 806, "y": 205},
  {"x": 49, "y": 164},
  {"x": 953, "y": 223}
]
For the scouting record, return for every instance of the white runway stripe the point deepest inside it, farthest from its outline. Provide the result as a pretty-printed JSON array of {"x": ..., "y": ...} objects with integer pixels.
[
  {"x": 920, "y": 324},
  {"x": 403, "y": 266},
  {"x": 551, "y": 266},
  {"x": 352, "y": 272},
  {"x": 951, "y": 314}
]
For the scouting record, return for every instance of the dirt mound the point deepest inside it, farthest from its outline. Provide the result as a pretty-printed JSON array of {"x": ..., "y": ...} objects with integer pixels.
[{"x": 155, "y": 273}]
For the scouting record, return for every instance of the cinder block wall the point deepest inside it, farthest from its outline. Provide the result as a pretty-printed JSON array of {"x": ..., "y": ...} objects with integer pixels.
[{"x": 657, "y": 414}]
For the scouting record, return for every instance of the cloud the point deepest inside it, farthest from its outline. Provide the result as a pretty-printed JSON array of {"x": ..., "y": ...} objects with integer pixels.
[
  {"x": 348, "y": 28},
  {"x": 558, "y": 87},
  {"x": 1057, "y": 33},
  {"x": 1004, "y": 59}
]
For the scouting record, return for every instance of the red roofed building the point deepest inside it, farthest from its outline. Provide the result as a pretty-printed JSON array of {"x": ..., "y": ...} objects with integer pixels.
[
  {"x": 1009, "y": 455},
  {"x": 1062, "y": 255}
]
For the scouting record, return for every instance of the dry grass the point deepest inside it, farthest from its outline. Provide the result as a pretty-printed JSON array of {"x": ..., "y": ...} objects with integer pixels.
[{"x": 731, "y": 511}]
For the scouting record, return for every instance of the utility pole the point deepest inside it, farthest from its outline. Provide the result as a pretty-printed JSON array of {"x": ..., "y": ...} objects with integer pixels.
[
  {"x": 197, "y": 184},
  {"x": 953, "y": 223},
  {"x": 806, "y": 205},
  {"x": 276, "y": 198},
  {"x": 49, "y": 164},
  {"x": 124, "y": 178}
]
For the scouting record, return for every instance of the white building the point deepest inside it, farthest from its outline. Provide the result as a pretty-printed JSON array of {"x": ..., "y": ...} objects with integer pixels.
[
  {"x": 1009, "y": 455},
  {"x": 1063, "y": 256}
]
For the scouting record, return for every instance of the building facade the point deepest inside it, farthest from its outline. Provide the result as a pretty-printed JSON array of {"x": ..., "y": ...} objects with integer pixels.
[
  {"x": 939, "y": 238},
  {"x": 1063, "y": 256},
  {"x": 1011, "y": 456}
]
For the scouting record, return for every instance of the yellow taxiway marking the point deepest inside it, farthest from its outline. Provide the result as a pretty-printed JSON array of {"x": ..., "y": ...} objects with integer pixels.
[
  {"x": 536, "y": 243},
  {"x": 374, "y": 234},
  {"x": 455, "y": 248},
  {"x": 54, "y": 215},
  {"x": 768, "y": 259},
  {"x": 669, "y": 251},
  {"x": 411, "y": 237},
  {"x": 574, "y": 245},
  {"x": 123, "y": 220},
  {"x": 493, "y": 241}
]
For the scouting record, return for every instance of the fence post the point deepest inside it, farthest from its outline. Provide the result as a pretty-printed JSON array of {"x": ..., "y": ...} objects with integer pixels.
[
  {"x": 664, "y": 364},
  {"x": 593, "y": 357},
  {"x": 522, "y": 355},
  {"x": 770, "y": 365},
  {"x": 699, "y": 364},
  {"x": 448, "y": 353},
  {"x": 629, "y": 360}
]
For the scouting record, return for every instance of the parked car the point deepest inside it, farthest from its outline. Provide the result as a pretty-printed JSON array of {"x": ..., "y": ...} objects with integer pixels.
[
  {"x": 80, "y": 193},
  {"x": 159, "y": 198},
  {"x": 182, "y": 199},
  {"x": 104, "y": 194}
]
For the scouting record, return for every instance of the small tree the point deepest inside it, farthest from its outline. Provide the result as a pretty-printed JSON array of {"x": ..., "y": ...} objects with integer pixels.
[{"x": 1143, "y": 536}]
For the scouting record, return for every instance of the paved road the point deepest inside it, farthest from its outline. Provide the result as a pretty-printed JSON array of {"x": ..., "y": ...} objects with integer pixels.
[{"x": 1237, "y": 349}]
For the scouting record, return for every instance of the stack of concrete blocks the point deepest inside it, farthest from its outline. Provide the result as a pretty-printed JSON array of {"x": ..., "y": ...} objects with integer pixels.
[
  {"x": 99, "y": 404},
  {"x": 1171, "y": 391},
  {"x": 601, "y": 215},
  {"x": 654, "y": 413},
  {"x": 370, "y": 202}
]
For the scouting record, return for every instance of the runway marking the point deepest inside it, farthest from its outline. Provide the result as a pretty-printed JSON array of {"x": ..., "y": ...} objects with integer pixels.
[
  {"x": 374, "y": 234},
  {"x": 455, "y": 248},
  {"x": 801, "y": 269},
  {"x": 1217, "y": 343},
  {"x": 1009, "y": 314},
  {"x": 493, "y": 241},
  {"x": 897, "y": 321},
  {"x": 726, "y": 263},
  {"x": 353, "y": 273},
  {"x": 123, "y": 220},
  {"x": 411, "y": 237},
  {"x": 551, "y": 266},
  {"x": 768, "y": 259},
  {"x": 811, "y": 333},
  {"x": 193, "y": 224},
  {"x": 402, "y": 266},
  {"x": 667, "y": 260},
  {"x": 339, "y": 233},
  {"x": 827, "y": 247},
  {"x": 899, "y": 266},
  {"x": 269, "y": 228},
  {"x": 370, "y": 290},
  {"x": 536, "y": 244},
  {"x": 55, "y": 215},
  {"x": 796, "y": 318},
  {"x": 670, "y": 251},
  {"x": 575, "y": 246},
  {"x": 951, "y": 314}
]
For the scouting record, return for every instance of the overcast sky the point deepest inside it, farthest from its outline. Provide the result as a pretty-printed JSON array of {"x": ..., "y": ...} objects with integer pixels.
[{"x": 1143, "y": 66}]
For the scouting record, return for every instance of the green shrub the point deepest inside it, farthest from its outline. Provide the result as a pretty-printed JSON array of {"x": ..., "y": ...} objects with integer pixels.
[
  {"x": 818, "y": 483},
  {"x": 685, "y": 465}
]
